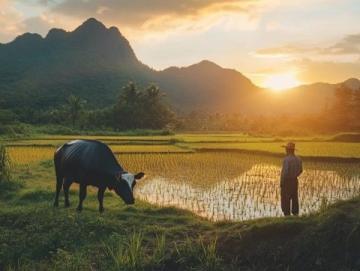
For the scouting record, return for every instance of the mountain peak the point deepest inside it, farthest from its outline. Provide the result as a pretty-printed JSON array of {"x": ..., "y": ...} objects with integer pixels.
[
  {"x": 352, "y": 80},
  {"x": 28, "y": 38},
  {"x": 207, "y": 63},
  {"x": 93, "y": 21},
  {"x": 353, "y": 83},
  {"x": 91, "y": 25},
  {"x": 55, "y": 34}
]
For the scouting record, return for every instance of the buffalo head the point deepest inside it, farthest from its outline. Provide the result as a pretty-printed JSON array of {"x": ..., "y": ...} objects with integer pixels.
[{"x": 124, "y": 185}]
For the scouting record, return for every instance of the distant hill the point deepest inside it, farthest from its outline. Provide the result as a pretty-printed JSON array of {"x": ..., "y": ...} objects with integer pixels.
[
  {"x": 206, "y": 86},
  {"x": 94, "y": 62}
]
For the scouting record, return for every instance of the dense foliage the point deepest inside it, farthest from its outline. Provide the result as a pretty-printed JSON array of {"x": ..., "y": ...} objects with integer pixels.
[{"x": 134, "y": 109}]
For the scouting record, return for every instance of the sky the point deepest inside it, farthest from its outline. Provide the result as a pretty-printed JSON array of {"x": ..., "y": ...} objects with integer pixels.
[{"x": 275, "y": 43}]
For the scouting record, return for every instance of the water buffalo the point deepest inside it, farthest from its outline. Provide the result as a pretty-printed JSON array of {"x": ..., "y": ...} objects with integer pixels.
[{"x": 90, "y": 162}]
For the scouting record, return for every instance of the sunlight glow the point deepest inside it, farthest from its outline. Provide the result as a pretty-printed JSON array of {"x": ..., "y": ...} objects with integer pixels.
[{"x": 280, "y": 82}]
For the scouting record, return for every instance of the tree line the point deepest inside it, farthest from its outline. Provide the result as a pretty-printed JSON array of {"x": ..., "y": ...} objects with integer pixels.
[
  {"x": 135, "y": 108},
  {"x": 146, "y": 108}
]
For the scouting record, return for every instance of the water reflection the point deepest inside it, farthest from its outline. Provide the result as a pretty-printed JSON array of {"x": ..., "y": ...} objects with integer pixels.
[{"x": 252, "y": 194}]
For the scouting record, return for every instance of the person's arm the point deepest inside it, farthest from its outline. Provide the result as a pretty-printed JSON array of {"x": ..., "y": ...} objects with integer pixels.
[
  {"x": 300, "y": 167},
  {"x": 284, "y": 172}
]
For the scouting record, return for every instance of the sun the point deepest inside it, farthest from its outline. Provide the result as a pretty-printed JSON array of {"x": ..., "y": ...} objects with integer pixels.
[{"x": 282, "y": 81}]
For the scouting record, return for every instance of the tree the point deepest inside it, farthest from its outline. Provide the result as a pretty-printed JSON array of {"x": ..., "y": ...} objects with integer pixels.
[
  {"x": 126, "y": 110},
  {"x": 141, "y": 109},
  {"x": 130, "y": 94},
  {"x": 156, "y": 114},
  {"x": 75, "y": 106}
]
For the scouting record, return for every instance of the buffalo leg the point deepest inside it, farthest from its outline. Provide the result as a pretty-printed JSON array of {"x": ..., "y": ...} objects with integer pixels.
[
  {"x": 101, "y": 199},
  {"x": 66, "y": 185},
  {"x": 82, "y": 196},
  {"x": 59, "y": 184}
]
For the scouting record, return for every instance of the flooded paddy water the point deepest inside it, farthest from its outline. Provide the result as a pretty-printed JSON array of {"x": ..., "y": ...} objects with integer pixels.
[{"x": 231, "y": 186}]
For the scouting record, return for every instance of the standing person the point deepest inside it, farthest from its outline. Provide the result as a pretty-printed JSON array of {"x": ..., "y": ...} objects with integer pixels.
[{"x": 291, "y": 170}]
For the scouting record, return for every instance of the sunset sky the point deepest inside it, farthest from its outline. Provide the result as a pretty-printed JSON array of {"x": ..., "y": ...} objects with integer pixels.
[{"x": 298, "y": 41}]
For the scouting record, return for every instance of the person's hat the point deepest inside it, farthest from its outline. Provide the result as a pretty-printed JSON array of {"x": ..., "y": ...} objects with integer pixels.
[{"x": 289, "y": 146}]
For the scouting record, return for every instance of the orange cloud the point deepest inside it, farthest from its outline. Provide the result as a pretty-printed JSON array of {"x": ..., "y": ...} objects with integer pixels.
[
  {"x": 349, "y": 45},
  {"x": 155, "y": 15},
  {"x": 9, "y": 20},
  {"x": 327, "y": 71}
]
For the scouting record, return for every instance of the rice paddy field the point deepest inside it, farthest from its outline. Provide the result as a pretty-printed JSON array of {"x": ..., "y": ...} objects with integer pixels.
[
  {"x": 208, "y": 202},
  {"x": 207, "y": 176}
]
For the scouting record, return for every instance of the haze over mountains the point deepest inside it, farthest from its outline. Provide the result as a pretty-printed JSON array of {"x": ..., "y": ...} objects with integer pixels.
[{"x": 95, "y": 62}]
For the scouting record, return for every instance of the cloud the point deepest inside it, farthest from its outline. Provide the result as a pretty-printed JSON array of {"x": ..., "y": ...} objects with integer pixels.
[
  {"x": 284, "y": 50},
  {"x": 20, "y": 16},
  {"x": 334, "y": 63},
  {"x": 327, "y": 71},
  {"x": 9, "y": 20},
  {"x": 37, "y": 25},
  {"x": 349, "y": 45},
  {"x": 155, "y": 15}
]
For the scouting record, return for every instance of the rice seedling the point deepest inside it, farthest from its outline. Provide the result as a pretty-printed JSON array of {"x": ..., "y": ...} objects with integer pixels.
[
  {"x": 20, "y": 156},
  {"x": 318, "y": 149},
  {"x": 239, "y": 187},
  {"x": 147, "y": 149}
]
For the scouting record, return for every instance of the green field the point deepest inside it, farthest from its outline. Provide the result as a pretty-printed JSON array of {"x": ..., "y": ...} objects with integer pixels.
[{"x": 154, "y": 235}]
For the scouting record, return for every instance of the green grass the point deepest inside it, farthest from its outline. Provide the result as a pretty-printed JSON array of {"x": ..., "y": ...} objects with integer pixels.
[{"x": 36, "y": 236}]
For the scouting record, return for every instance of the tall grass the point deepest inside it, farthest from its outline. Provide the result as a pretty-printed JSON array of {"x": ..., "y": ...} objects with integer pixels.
[
  {"x": 4, "y": 165},
  {"x": 198, "y": 254},
  {"x": 7, "y": 184},
  {"x": 133, "y": 255},
  {"x": 208, "y": 258}
]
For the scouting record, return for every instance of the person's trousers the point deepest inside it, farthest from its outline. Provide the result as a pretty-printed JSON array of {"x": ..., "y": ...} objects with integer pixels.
[{"x": 289, "y": 197}]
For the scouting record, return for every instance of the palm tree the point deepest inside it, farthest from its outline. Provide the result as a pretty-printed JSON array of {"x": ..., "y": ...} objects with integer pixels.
[
  {"x": 130, "y": 94},
  {"x": 75, "y": 106}
]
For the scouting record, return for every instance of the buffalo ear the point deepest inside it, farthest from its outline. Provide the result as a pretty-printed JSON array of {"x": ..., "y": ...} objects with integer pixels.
[
  {"x": 118, "y": 176},
  {"x": 139, "y": 175}
]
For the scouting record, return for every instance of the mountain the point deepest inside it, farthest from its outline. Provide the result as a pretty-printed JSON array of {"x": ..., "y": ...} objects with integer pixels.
[
  {"x": 94, "y": 62},
  {"x": 206, "y": 86}
]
